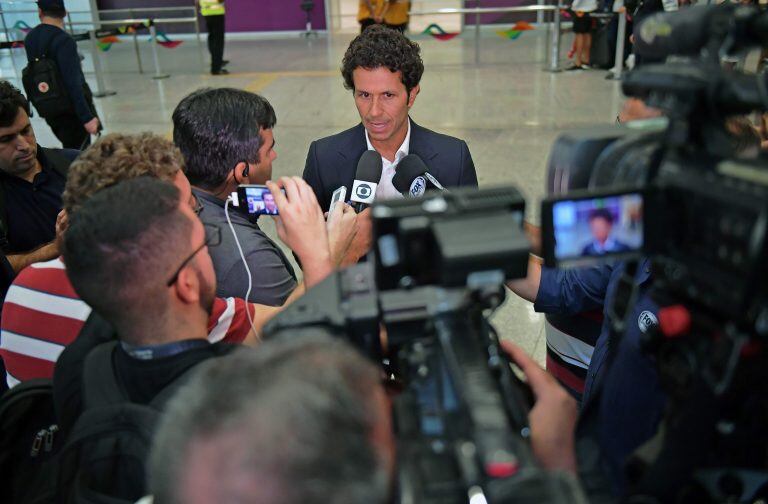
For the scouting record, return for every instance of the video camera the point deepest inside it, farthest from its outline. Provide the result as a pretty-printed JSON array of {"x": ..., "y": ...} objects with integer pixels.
[
  {"x": 420, "y": 309},
  {"x": 681, "y": 195}
]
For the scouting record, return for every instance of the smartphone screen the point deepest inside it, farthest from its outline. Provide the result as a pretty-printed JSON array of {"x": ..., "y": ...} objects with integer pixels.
[
  {"x": 257, "y": 200},
  {"x": 596, "y": 227}
]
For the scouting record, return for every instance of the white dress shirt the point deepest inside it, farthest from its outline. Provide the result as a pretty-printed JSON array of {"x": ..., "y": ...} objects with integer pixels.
[{"x": 385, "y": 190}]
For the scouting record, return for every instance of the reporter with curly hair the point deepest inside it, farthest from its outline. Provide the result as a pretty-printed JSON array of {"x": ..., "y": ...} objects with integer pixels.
[{"x": 383, "y": 69}]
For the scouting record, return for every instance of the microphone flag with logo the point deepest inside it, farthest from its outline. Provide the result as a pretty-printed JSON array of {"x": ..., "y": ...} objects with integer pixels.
[
  {"x": 412, "y": 177},
  {"x": 366, "y": 179}
]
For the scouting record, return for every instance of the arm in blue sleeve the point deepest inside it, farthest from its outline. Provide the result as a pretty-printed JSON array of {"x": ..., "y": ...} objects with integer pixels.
[
  {"x": 567, "y": 292},
  {"x": 72, "y": 75}
]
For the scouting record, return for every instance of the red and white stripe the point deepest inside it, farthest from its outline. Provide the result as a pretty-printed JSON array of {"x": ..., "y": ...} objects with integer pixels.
[{"x": 42, "y": 314}]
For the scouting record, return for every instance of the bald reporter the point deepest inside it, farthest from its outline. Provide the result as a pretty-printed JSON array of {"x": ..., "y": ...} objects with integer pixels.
[
  {"x": 304, "y": 420},
  {"x": 307, "y": 420}
]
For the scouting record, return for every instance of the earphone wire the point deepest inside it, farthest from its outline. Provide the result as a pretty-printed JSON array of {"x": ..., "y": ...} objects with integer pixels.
[{"x": 245, "y": 263}]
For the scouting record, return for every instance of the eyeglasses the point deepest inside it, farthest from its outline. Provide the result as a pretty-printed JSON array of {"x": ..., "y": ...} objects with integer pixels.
[
  {"x": 212, "y": 238},
  {"x": 198, "y": 206}
]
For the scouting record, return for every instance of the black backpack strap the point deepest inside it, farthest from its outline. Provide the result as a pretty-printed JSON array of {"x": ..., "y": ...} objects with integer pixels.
[
  {"x": 162, "y": 397},
  {"x": 100, "y": 386},
  {"x": 47, "y": 48}
]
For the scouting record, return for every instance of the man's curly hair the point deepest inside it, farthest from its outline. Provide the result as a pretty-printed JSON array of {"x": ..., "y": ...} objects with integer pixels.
[
  {"x": 115, "y": 158},
  {"x": 379, "y": 46}
]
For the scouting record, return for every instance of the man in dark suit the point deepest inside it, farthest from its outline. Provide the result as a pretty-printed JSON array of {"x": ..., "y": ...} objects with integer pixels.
[
  {"x": 601, "y": 226},
  {"x": 383, "y": 69}
]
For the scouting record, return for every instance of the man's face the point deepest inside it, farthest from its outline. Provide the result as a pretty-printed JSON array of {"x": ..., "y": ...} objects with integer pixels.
[
  {"x": 601, "y": 229},
  {"x": 383, "y": 102},
  {"x": 269, "y": 203},
  {"x": 185, "y": 189},
  {"x": 260, "y": 172},
  {"x": 18, "y": 146}
]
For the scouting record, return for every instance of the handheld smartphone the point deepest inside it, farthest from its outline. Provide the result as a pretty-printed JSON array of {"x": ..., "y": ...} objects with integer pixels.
[
  {"x": 339, "y": 194},
  {"x": 581, "y": 229},
  {"x": 256, "y": 200}
]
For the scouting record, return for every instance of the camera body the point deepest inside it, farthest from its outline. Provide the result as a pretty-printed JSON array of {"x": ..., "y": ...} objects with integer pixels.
[
  {"x": 420, "y": 309},
  {"x": 680, "y": 195}
]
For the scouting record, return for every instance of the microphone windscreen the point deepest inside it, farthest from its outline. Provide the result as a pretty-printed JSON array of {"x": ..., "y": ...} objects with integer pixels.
[
  {"x": 369, "y": 167},
  {"x": 682, "y": 33},
  {"x": 410, "y": 167}
]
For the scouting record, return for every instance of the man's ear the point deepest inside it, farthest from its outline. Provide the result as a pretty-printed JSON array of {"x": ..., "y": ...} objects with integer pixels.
[
  {"x": 241, "y": 172},
  {"x": 412, "y": 95},
  {"x": 187, "y": 286}
]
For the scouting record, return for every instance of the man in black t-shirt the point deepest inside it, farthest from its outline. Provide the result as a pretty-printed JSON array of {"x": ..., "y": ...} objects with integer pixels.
[
  {"x": 49, "y": 39},
  {"x": 31, "y": 184},
  {"x": 138, "y": 255}
]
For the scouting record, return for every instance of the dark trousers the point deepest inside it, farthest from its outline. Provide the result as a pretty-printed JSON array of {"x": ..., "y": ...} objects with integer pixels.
[
  {"x": 70, "y": 131},
  {"x": 215, "y": 26}
]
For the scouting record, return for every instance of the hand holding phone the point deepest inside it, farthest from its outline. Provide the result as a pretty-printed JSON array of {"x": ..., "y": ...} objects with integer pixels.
[
  {"x": 301, "y": 226},
  {"x": 339, "y": 194}
]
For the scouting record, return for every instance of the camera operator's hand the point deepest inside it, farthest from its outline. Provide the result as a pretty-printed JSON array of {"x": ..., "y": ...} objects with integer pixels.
[
  {"x": 553, "y": 417},
  {"x": 361, "y": 243},
  {"x": 342, "y": 229},
  {"x": 301, "y": 226}
]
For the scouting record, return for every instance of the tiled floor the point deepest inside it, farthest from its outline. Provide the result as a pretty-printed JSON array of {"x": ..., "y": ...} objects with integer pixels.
[{"x": 507, "y": 108}]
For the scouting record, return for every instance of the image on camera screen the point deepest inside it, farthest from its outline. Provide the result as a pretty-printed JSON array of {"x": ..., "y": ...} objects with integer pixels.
[
  {"x": 260, "y": 201},
  {"x": 598, "y": 227}
]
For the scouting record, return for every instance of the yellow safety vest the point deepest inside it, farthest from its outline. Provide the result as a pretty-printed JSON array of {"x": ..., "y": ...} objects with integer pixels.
[{"x": 211, "y": 8}]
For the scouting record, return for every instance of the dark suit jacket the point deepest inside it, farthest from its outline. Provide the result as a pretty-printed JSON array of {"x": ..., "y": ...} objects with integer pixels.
[
  {"x": 332, "y": 161},
  {"x": 618, "y": 246}
]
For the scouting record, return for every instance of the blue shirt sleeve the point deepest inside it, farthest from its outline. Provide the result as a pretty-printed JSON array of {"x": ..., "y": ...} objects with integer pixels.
[{"x": 571, "y": 291}]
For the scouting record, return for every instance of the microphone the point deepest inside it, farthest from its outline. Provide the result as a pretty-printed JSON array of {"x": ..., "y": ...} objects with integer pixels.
[
  {"x": 412, "y": 177},
  {"x": 687, "y": 32},
  {"x": 366, "y": 179}
]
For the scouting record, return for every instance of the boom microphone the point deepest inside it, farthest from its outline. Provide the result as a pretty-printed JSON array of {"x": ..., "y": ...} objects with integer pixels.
[
  {"x": 412, "y": 177},
  {"x": 688, "y": 31},
  {"x": 366, "y": 179}
]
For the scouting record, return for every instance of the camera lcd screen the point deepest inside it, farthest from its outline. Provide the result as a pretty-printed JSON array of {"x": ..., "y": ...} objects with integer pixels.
[
  {"x": 604, "y": 226},
  {"x": 257, "y": 200}
]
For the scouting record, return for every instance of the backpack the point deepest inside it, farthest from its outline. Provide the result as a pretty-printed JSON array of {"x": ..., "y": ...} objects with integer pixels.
[
  {"x": 44, "y": 86},
  {"x": 104, "y": 458},
  {"x": 28, "y": 443}
]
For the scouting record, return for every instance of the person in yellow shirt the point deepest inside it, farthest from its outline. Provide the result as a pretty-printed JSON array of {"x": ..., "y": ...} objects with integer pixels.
[
  {"x": 213, "y": 13},
  {"x": 396, "y": 14},
  {"x": 371, "y": 12}
]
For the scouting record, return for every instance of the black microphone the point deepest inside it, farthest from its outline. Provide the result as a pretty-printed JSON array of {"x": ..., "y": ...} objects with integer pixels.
[
  {"x": 412, "y": 177},
  {"x": 366, "y": 179},
  {"x": 688, "y": 31}
]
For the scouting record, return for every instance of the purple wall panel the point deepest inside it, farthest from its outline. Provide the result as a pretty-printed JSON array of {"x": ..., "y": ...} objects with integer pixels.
[
  {"x": 499, "y": 17},
  {"x": 242, "y": 15}
]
